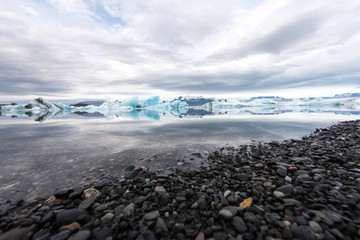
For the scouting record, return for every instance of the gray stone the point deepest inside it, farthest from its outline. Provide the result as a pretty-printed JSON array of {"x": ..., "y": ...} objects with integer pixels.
[
  {"x": 87, "y": 202},
  {"x": 302, "y": 160},
  {"x": 16, "y": 234},
  {"x": 102, "y": 207},
  {"x": 81, "y": 235},
  {"x": 71, "y": 215},
  {"x": 282, "y": 171},
  {"x": 160, "y": 223},
  {"x": 64, "y": 235},
  {"x": 141, "y": 199},
  {"x": 160, "y": 190},
  {"x": 107, "y": 218},
  {"x": 146, "y": 235},
  {"x": 331, "y": 217},
  {"x": 129, "y": 209},
  {"x": 225, "y": 214},
  {"x": 119, "y": 210},
  {"x": 101, "y": 234},
  {"x": 278, "y": 194},
  {"x": 315, "y": 226},
  {"x": 288, "y": 179},
  {"x": 287, "y": 190},
  {"x": 304, "y": 233},
  {"x": 303, "y": 177},
  {"x": 153, "y": 215},
  {"x": 241, "y": 177},
  {"x": 239, "y": 224},
  {"x": 337, "y": 195},
  {"x": 232, "y": 209}
]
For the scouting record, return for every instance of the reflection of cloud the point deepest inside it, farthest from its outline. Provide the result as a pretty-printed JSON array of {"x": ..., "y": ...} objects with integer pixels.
[{"x": 77, "y": 48}]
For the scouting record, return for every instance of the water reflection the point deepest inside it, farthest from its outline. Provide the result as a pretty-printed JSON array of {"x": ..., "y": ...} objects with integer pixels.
[{"x": 37, "y": 159}]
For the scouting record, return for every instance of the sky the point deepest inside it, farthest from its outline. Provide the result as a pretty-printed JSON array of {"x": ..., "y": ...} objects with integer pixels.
[{"x": 100, "y": 49}]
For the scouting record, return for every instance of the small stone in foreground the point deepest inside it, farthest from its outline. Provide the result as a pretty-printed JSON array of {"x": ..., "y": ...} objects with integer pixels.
[
  {"x": 88, "y": 201},
  {"x": 239, "y": 224},
  {"x": 153, "y": 215},
  {"x": 278, "y": 194},
  {"x": 225, "y": 214},
  {"x": 304, "y": 233},
  {"x": 160, "y": 190},
  {"x": 81, "y": 235}
]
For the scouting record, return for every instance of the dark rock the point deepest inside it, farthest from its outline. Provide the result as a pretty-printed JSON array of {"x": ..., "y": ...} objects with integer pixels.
[
  {"x": 282, "y": 171},
  {"x": 101, "y": 234},
  {"x": 241, "y": 177},
  {"x": 87, "y": 202},
  {"x": 17, "y": 233},
  {"x": 303, "y": 160},
  {"x": 304, "y": 233},
  {"x": 61, "y": 193},
  {"x": 147, "y": 235},
  {"x": 239, "y": 224},
  {"x": 220, "y": 235},
  {"x": 225, "y": 214},
  {"x": 61, "y": 235},
  {"x": 81, "y": 235},
  {"x": 331, "y": 217},
  {"x": 71, "y": 215},
  {"x": 286, "y": 189}
]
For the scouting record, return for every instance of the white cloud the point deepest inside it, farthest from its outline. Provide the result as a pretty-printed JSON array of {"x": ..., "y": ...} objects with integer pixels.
[{"x": 73, "y": 48}]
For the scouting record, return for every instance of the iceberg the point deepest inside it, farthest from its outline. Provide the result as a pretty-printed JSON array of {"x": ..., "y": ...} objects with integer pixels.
[
  {"x": 153, "y": 108},
  {"x": 40, "y": 109}
]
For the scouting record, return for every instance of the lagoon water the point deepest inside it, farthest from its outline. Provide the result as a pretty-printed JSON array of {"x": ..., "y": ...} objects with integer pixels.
[{"x": 38, "y": 158}]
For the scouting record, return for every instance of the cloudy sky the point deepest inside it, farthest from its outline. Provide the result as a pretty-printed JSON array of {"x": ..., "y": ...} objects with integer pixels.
[{"x": 115, "y": 48}]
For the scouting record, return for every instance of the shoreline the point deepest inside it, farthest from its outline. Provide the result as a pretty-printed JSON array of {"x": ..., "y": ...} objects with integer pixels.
[{"x": 307, "y": 189}]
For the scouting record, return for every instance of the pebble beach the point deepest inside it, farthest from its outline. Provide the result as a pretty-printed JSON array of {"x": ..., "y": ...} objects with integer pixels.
[{"x": 306, "y": 188}]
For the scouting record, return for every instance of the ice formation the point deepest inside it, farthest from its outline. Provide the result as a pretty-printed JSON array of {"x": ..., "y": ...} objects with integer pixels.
[{"x": 153, "y": 108}]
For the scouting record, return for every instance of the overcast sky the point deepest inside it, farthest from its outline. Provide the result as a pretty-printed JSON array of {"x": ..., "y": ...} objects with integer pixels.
[{"x": 116, "y": 48}]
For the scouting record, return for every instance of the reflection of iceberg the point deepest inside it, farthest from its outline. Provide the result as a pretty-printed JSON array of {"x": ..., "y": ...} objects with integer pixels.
[
  {"x": 39, "y": 109},
  {"x": 152, "y": 108}
]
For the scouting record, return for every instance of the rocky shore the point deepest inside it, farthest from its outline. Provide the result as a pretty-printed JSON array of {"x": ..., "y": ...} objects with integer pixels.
[{"x": 304, "y": 189}]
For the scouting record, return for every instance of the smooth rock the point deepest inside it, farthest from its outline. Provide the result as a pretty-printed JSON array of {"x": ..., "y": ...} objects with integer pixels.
[
  {"x": 68, "y": 216},
  {"x": 64, "y": 235},
  {"x": 146, "y": 235},
  {"x": 287, "y": 190},
  {"x": 315, "y": 226},
  {"x": 239, "y": 224},
  {"x": 16, "y": 234},
  {"x": 160, "y": 190},
  {"x": 160, "y": 223},
  {"x": 88, "y": 201},
  {"x": 225, "y": 214},
  {"x": 81, "y": 235},
  {"x": 101, "y": 234},
  {"x": 304, "y": 233},
  {"x": 107, "y": 218},
  {"x": 282, "y": 171},
  {"x": 241, "y": 177},
  {"x": 153, "y": 215},
  {"x": 278, "y": 194},
  {"x": 288, "y": 179},
  {"x": 129, "y": 209},
  {"x": 227, "y": 193}
]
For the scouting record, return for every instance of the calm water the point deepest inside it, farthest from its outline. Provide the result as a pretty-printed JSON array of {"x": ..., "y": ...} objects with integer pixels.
[{"x": 39, "y": 158}]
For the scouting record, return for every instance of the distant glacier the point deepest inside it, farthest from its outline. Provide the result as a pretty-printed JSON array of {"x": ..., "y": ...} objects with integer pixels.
[{"x": 155, "y": 108}]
